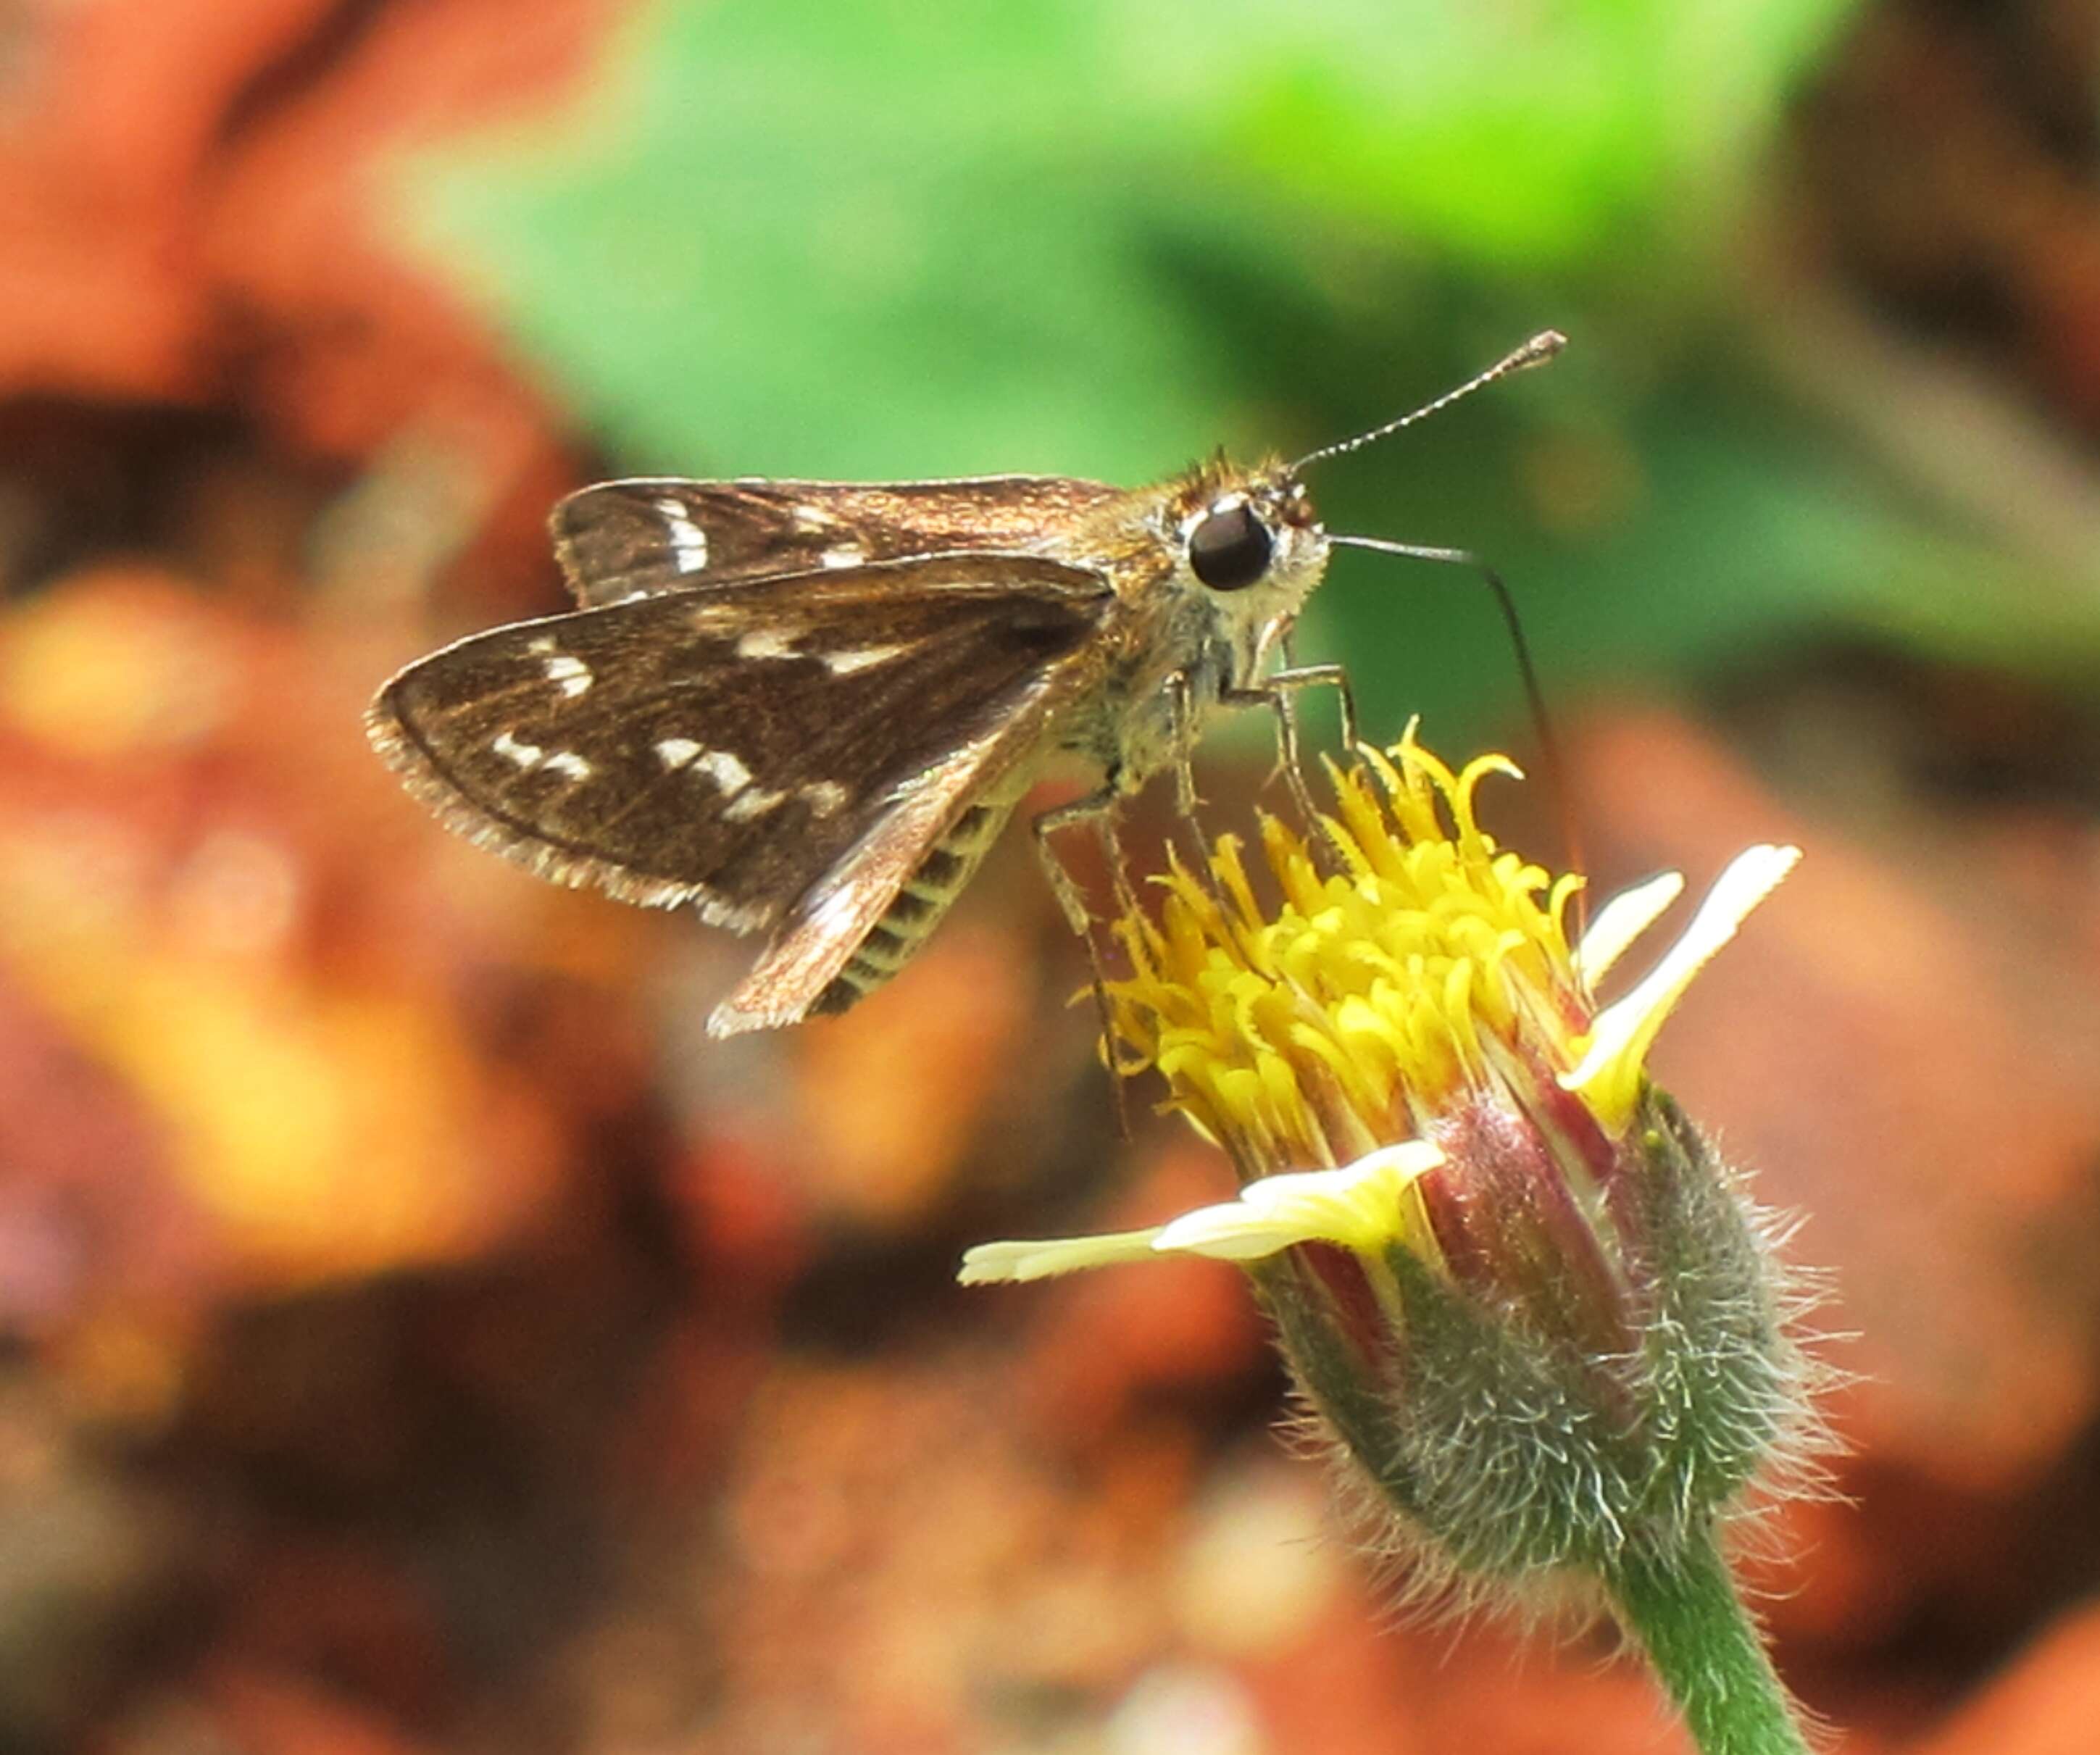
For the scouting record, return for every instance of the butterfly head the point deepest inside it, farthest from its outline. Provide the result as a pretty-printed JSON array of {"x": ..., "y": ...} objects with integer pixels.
[
  {"x": 1249, "y": 547},
  {"x": 1248, "y": 542}
]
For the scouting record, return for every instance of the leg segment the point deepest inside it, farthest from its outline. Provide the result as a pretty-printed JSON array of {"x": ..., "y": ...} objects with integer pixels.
[
  {"x": 1187, "y": 803},
  {"x": 1096, "y": 809},
  {"x": 1278, "y": 692}
]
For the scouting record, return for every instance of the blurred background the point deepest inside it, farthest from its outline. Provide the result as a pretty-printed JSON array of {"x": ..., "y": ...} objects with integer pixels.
[{"x": 417, "y": 1337}]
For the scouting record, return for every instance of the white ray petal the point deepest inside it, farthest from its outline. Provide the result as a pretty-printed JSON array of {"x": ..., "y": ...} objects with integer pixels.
[{"x": 1608, "y": 1076}]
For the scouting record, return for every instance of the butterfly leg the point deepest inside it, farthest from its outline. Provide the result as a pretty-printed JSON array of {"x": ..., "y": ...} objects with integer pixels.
[
  {"x": 1187, "y": 803},
  {"x": 1097, "y": 808},
  {"x": 1181, "y": 707},
  {"x": 1286, "y": 708},
  {"x": 1278, "y": 692},
  {"x": 1293, "y": 676}
]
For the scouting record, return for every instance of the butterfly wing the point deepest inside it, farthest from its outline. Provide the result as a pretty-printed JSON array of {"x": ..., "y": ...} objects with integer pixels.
[
  {"x": 762, "y": 750},
  {"x": 822, "y": 957},
  {"x": 625, "y": 539}
]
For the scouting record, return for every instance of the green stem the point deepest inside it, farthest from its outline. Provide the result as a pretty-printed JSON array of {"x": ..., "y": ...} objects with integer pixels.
[{"x": 1684, "y": 1609}]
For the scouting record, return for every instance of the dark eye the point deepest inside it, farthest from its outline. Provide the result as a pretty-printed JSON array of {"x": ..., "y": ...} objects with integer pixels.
[{"x": 1230, "y": 549}]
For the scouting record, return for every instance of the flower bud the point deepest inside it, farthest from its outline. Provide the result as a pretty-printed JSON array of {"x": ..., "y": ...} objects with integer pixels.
[{"x": 1532, "y": 1314}]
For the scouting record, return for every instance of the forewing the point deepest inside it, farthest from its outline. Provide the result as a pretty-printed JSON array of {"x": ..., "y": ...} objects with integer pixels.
[
  {"x": 729, "y": 747},
  {"x": 624, "y": 539}
]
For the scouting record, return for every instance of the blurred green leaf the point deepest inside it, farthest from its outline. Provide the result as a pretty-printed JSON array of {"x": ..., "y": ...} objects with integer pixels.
[
  {"x": 875, "y": 240},
  {"x": 905, "y": 238},
  {"x": 1690, "y": 540},
  {"x": 1586, "y": 135}
]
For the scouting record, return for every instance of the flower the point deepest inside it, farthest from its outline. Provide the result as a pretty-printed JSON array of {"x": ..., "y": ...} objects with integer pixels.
[{"x": 1530, "y": 1311}]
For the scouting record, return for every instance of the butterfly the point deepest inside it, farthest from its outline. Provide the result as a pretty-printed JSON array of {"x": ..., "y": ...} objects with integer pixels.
[{"x": 806, "y": 708}]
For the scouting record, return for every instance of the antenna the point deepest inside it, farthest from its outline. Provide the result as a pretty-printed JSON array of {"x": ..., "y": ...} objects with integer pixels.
[
  {"x": 1541, "y": 721},
  {"x": 1537, "y": 351}
]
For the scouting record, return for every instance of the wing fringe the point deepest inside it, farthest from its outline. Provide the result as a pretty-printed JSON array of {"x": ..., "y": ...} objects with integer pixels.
[{"x": 397, "y": 745}]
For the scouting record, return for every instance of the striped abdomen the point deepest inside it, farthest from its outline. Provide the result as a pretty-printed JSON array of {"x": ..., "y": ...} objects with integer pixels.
[{"x": 926, "y": 895}]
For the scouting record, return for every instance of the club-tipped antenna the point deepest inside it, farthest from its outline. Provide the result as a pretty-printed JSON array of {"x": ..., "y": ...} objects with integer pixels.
[
  {"x": 1541, "y": 721},
  {"x": 1537, "y": 351}
]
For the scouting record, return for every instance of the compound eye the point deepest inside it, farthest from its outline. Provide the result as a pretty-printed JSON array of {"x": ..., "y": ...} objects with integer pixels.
[{"x": 1230, "y": 549}]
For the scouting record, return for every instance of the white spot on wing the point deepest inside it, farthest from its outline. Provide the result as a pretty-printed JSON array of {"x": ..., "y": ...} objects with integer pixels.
[
  {"x": 528, "y": 756},
  {"x": 755, "y": 802},
  {"x": 689, "y": 542},
  {"x": 860, "y": 658},
  {"x": 811, "y": 518},
  {"x": 725, "y": 769},
  {"x": 844, "y": 554},
  {"x": 573, "y": 674},
  {"x": 570, "y": 763},
  {"x": 824, "y": 797},
  {"x": 767, "y": 643}
]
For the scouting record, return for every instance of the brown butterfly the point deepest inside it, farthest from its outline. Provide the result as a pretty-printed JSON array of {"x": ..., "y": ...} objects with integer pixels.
[{"x": 807, "y": 709}]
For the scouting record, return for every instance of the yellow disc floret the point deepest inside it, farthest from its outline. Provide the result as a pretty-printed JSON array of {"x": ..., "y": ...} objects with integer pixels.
[{"x": 1408, "y": 955}]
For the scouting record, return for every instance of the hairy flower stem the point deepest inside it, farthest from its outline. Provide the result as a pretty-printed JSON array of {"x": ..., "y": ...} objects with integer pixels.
[{"x": 1684, "y": 1610}]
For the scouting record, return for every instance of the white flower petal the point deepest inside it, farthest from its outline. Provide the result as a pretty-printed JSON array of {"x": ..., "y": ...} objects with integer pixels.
[
  {"x": 1608, "y": 1077},
  {"x": 1357, "y": 1206},
  {"x": 991, "y": 1263},
  {"x": 1228, "y": 1233},
  {"x": 1620, "y": 921}
]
